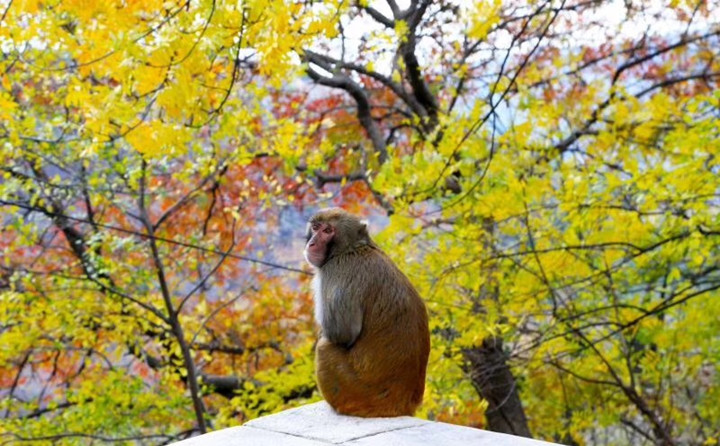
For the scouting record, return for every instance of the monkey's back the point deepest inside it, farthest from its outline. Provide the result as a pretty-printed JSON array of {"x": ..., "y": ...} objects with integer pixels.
[{"x": 388, "y": 360}]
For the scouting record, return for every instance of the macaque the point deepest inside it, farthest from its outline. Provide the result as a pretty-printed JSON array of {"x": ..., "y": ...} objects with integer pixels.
[{"x": 373, "y": 349}]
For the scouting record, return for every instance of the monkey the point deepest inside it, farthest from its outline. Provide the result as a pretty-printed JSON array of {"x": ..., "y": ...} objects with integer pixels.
[{"x": 372, "y": 353}]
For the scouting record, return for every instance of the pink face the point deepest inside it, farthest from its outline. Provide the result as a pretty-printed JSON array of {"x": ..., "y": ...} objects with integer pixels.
[{"x": 320, "y": 235}]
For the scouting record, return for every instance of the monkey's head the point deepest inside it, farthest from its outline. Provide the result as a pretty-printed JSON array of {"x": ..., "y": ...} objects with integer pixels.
[{"x": 333, "y": 232}]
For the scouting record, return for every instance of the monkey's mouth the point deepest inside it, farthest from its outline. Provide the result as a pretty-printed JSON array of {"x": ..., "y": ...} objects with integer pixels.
[{"x": 314, "y": 257}]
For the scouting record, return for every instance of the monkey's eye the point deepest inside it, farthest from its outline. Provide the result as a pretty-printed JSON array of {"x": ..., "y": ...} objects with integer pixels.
[
  {"x": 327, "y": 230},
  {"x": 315, "y": 226}
]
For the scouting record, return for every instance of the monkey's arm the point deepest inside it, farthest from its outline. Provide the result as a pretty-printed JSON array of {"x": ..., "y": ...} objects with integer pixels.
[{"x": 342, "y": 317}]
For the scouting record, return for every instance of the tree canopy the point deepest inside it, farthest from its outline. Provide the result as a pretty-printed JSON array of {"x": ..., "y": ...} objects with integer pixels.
[{"x": 547, "y": 173}]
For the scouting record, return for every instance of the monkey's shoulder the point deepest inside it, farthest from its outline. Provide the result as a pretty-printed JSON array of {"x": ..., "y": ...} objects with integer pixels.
[
  {"x": 368, "y": 266},
  {"x": 359, "y": 256}
]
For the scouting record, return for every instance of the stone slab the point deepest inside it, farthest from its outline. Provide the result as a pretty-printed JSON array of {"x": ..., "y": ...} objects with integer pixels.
[
  {"x": 319, "y": 421},
  {"x": 443, "y": 434},
  {"x": 247, "y": 436},
  {"x": 319, "y": 425}
]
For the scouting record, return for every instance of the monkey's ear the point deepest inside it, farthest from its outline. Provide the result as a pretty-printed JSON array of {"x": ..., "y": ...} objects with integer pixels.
[{"x": 363, "y": 231}]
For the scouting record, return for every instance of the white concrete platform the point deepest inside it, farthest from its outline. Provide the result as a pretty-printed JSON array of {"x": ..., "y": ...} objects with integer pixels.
[{"x": 317, "y": 425}]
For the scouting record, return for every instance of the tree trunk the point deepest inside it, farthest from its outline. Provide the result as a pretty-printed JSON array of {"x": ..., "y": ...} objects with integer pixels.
[{"x": 490, "y": 374}]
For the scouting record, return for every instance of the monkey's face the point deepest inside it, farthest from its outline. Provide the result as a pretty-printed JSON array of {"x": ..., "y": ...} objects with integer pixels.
[{"x": 320, "y": 234}]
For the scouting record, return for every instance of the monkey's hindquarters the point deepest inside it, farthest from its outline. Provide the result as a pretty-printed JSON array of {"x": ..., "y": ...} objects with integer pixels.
[{"x": 354, "y": 384}]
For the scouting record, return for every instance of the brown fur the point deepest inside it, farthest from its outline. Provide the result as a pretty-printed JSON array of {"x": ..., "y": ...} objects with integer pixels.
[{"x": 372, "y": 356}]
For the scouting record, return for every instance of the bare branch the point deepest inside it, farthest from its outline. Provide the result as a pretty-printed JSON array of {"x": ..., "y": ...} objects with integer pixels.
[
  {"x": 363, "y": 105},
  {"x": 378, "y": 16},
  {"x": 396, "y": 88},
  {"x": 420, "y": 88},
  {"x": 177, "y": 329}
]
